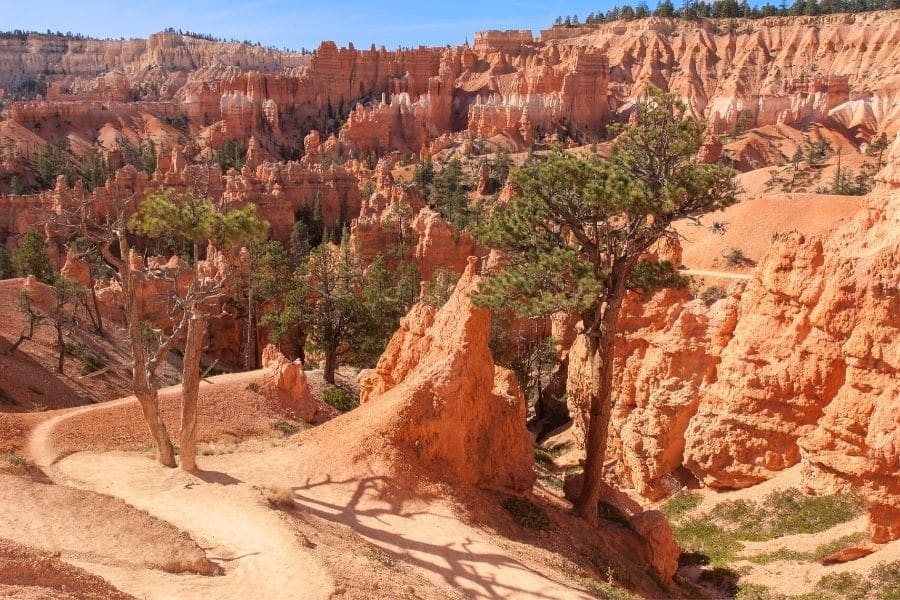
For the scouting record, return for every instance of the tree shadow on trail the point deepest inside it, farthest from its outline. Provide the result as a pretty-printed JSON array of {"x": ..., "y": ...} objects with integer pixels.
[
  {"x": 375, "y": 510},
  {"x": 215, "y": 477}
]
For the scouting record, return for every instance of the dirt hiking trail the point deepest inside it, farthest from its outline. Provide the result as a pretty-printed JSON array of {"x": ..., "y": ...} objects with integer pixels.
[
  {"x": 223, "y": 509},
  {"x": 230, "y": 519}
]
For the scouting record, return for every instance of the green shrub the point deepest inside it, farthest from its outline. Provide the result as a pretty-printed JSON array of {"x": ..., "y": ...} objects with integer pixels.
[
  {"x": 543, "y": 458},
  {"x": 31, "y": 258},
  {"x": 13, "y": 459},
  {"x": 527, "y": 513},
  {"x": 437, "y": 291},
  {"x": 6, "y": 268},
  {"x": 680, "y": 504},
  {"x": 713, "y": 294},
  {"x": 719, "y": 534},
  {"x": 91, "y": 361},
  {"x": 735, "y": 257},
  {"x": 603, "y": 589},
  {"x": 279, "y": 497},
  {"x": 286, "y": 428},
  {"x": 340, "y": 399},
  {"x": 378, "y": 555}
]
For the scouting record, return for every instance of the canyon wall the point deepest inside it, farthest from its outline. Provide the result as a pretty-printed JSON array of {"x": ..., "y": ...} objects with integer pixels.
[{"x": 839, "y": 70}]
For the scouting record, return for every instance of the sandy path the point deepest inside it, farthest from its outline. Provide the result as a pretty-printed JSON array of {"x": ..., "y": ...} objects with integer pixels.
[
  {"x": 229, "y": 518},
  {"x": 424, "y": 533},
  {"x": 39, "y": 447},
  {"x": 226, "y": 514},
  {"x": 720, "y": 274}
]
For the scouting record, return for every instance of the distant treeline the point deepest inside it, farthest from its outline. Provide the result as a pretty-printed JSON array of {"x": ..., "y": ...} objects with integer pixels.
[
  {"x": 728, "y": 9},
  {"x": 21, "y": 34},
  {"x": 211, "y": 38}
]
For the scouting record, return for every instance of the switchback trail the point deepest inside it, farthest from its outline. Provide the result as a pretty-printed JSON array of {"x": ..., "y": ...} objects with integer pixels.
[{"x": 229, "y": 518}]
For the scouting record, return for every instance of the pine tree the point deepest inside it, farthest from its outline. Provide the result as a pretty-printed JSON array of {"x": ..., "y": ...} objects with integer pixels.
[
  {"x": 575, "y": 236},
  {"x": 193, "y": 220},
  {"x": 449, "y": 196},
  {"x": 423, "y": 176},
  {"x": 6, "y": 267},
  {"x": 31, "y": 258}
]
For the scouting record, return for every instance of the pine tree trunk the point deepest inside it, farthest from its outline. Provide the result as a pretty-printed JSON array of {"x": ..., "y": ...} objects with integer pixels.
[
  {"x": 598, "y": 428},
  {"x": 329, "y": 367},
  {"x": 23, "y": 337},
  {"x": 96, "y": 303},
  {"x": 190, "y": 389},
  {"x": 601, "y": 349},
  {"x": 250, "y": 341},
  {"x": 62, "y": 347},
  {"x": 141, "y": 379},
  {"x": 147, "y": 398}
]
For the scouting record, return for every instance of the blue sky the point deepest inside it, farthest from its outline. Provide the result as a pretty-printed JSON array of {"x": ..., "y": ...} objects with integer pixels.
[{"x": 283, "y": 23}]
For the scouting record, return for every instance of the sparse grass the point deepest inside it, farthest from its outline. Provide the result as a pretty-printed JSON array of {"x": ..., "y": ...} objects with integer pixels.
[
  {"x": 553, "y": 482},
  {"x": 885, "y": 577},
  {"x": 340, "y": 399},
  {"x": 544, "y": 459},
  {"x": 285, "y": 428},
  {"x": 703, "y": 538},
  {"x": 786, "y": 512},
  {"x": 791, "y": 511},
  {"x": 721, "y": 578},
  {"x": 253, "y": 387},
  {"x": 844, "y": 585},
  {"x": 279, "y": 497},
  {"x": 601, "y": 589},
  {"x": 720, "y": 533},
  {"x": 11, "y": 458},
  {"x": 752, "y": 591},
  {"x": 91, "y": 361},
  {"x": 527, "y": 514},
  {"x": 376, "y": 554},
  {"x": 575, "y": 469},
  {"x": 777, "y": 555},
  {"x": 845, "y": 541},
  {"x": 39, "y": 407},
  {"x": 227, "y": 444},
  {"x": 680, "y": 504}
]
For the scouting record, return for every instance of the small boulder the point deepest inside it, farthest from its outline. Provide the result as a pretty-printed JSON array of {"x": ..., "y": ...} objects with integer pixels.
[
  {"x": 847, "y": 554},
  {"x": 653, "y": 527}
]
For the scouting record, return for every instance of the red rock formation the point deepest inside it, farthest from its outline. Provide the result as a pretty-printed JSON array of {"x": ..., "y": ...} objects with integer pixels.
[
  {"x": 567, "y": 84},
  {"x": 451, "y": 408},
  {"x": 798, "y": 365},
  {"x": 292, "y": 387},
  {"x": 395, "y": 222}
]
